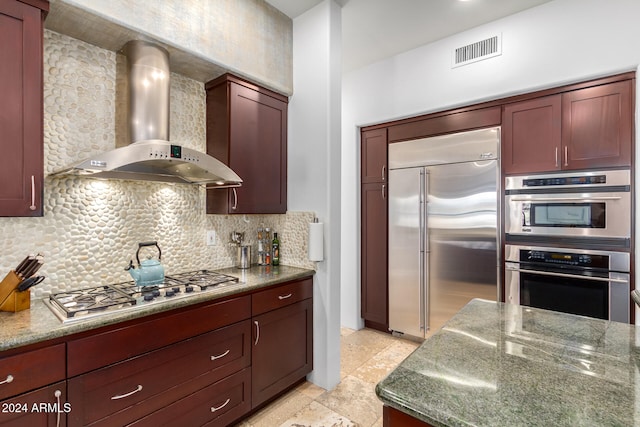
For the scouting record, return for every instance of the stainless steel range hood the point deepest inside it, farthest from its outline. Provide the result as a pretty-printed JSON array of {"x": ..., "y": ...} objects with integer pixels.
[{"x": 150, "y": 156}]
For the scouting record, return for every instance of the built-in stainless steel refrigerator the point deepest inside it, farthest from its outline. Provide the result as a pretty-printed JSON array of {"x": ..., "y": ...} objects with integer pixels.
[{"x": 443, "y": 227}]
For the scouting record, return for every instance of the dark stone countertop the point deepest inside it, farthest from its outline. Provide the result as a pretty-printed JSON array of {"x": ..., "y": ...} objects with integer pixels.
[{"x": 496, "y": 364}]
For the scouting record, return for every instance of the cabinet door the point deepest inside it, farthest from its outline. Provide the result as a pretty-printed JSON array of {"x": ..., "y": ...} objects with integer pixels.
[
  {"x": 596, "y": 126},
  {"x": 247, "y": 130},
  {"x": 374, "y": 292},
  {"x": 374, "y": 156},
  {"x": 45, "y": 407},
  {"x": 531, "y": 135},
  {"x": 282, "y": 350},
  {"x": 21, "y": 126}
]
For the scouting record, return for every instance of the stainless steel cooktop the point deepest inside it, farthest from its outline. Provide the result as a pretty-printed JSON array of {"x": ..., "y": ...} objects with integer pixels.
[{"x": 96, "y": 301}]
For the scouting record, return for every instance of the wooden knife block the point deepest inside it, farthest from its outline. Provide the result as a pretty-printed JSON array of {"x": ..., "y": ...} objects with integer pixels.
[{"x": 10, "y": 298}]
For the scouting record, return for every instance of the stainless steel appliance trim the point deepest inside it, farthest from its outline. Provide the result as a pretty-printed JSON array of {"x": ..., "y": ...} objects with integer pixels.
[
  {"x": 618, "y": 261},
  {"x": 534, "y": 198},
  {"x": 614, "y": 178},
  {"x": 571, "y": 276}
]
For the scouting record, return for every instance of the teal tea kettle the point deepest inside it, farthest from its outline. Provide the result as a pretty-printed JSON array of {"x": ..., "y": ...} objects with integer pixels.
[{"x": 150, "y": 271}]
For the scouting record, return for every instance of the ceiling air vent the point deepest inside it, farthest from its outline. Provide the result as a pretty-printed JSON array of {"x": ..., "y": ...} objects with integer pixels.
[{"x": 484, "y": 49}]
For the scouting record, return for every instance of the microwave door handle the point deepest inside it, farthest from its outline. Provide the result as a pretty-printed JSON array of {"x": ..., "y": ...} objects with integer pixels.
[
  {"x": 571, "y": 276},
  {"x": 565, "y": 199}
]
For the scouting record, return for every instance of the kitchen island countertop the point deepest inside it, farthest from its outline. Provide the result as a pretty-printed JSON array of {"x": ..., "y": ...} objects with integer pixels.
[
  {"x": 496, "y": 364},
  {"x": 40, "y": 324}
]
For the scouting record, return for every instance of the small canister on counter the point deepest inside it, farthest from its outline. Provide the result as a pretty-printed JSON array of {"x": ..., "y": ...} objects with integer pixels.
[{"x": 244, "y": 256}]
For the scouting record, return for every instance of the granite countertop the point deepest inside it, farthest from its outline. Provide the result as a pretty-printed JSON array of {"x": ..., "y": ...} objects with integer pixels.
[
  {"x": 40, "y": 324},
  {"x": 496, "y": 364}
]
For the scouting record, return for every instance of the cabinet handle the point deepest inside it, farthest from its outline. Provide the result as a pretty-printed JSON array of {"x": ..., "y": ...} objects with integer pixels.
[
  {"x": 220, "y": 356},
  {"x": 281, "y": 297},
  {"x": 57, "y": 395},
  {"x": 122, "y": 396},
  {"x": 384, "y": 171},
  {"x": 33, "y": 193},
  {"x": 383, "y": 196},
  {"x": 557, "y": 164},
  {"x": 214, "y": 409},
  {"x": 257, "y": 332},
  {"x": 235, "y": 199},
  {"x": 566, "y": 155},
  {"x": 8, "y": 380}
]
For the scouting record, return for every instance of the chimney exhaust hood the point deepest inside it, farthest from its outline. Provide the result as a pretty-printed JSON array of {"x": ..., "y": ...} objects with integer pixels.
[{"x": 150, "y": 156}]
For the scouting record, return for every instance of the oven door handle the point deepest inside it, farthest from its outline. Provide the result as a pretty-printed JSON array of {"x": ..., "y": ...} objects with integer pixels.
[
  {"x": 565, "y": 199},
  {"x": 571, "y": 276}
]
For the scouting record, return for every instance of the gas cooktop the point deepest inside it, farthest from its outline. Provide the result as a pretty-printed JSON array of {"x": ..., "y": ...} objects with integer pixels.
[{"x": 99, "y": 300}]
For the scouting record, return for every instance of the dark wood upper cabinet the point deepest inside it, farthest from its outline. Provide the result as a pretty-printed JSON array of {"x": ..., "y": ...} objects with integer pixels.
[
  {"x": 21, "y": 109},
  {"x": 585, "y": 128},
  {"x": 247, "y": 130},
  {"x": 374, "y": 156},
  {"x": 531, "y": 135},
  {"x": 596, "y": 126}
]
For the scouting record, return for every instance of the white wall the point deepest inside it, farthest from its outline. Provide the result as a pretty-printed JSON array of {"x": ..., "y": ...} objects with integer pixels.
[
  {"x": 314, "y": 167},
  {"x": 558, "y": 42}
]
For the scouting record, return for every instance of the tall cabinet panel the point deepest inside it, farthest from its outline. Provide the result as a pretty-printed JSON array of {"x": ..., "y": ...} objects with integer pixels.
[
  {"x": 247, "y": 130},
  {"x": 21, "y": 116},
  {"x": 374, "y": 288}
]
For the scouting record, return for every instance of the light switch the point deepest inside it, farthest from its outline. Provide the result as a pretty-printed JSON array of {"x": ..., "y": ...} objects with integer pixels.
[{"x": 211, "y": 237}]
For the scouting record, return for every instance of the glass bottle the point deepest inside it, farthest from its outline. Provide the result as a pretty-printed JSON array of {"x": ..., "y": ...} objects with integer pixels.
[{"x": 275, "y": 250}]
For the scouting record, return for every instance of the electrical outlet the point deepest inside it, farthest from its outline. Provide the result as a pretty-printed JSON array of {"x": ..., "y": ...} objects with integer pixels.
[{"x": 211, "y": 237}]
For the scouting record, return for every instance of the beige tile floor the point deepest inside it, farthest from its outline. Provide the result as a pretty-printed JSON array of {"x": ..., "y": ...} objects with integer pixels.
[{"x": 367, "y": 356}]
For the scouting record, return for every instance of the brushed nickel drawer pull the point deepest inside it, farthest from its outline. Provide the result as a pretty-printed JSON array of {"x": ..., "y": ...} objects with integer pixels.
[
  {"x": 235, "y": 199},
  {"x": 220, "y": 356},
  {"x": 57, "y": 395},
  {"x": 257, "y": 332},
  {"x": 122, "y": 396},
  {"x": 281, "y": 297},
  {"x": 33, "y": 193},
  {"x": 214, "y": 409},
  {"x": 8, "y": 380}
]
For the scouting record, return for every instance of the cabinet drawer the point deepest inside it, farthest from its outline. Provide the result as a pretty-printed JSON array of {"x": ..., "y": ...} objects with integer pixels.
[
  {"x": 281, "y": 296},
  {"x": 31, "y": 370},
  {"x": 112, "y": 346},
  {"x": 37, "y": 408},
  {"x": 129, "y": 390},
  {"x": 216, "y": 405}
]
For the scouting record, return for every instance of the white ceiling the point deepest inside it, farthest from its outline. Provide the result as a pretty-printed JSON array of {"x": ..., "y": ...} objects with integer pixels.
[{"x": 376, "y": 29}]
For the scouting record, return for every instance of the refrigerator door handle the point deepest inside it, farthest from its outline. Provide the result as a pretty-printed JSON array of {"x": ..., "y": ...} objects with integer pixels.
[{"x": 424, "y": 244}]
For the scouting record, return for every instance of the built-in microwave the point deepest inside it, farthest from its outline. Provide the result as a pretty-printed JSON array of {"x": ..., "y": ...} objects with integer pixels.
[{"x": 594, "y": 204}]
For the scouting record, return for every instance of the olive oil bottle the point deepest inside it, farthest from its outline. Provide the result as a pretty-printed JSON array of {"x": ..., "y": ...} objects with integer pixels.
[{"x": 275, "y": 250}]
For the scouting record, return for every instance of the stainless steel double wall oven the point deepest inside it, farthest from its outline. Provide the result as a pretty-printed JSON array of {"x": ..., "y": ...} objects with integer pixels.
[{"x": 568, "y": 240}]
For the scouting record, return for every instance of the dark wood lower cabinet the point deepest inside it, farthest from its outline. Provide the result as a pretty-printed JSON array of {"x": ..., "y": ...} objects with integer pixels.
[
  {"x": 393, "y": 418},
  {"x": 282, "y": 353},
  {"x": 216, "y": 405},
  {"x": 207, "y": 365},
  {"x": 45, "y": 407}
]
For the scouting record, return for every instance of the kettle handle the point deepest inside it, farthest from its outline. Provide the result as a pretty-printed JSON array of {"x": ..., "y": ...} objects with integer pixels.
[{"x": 143, "y": 244}]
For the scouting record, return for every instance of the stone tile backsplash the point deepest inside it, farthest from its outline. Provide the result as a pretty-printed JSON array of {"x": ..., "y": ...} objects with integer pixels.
[{"x": 91, "y": 228}]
